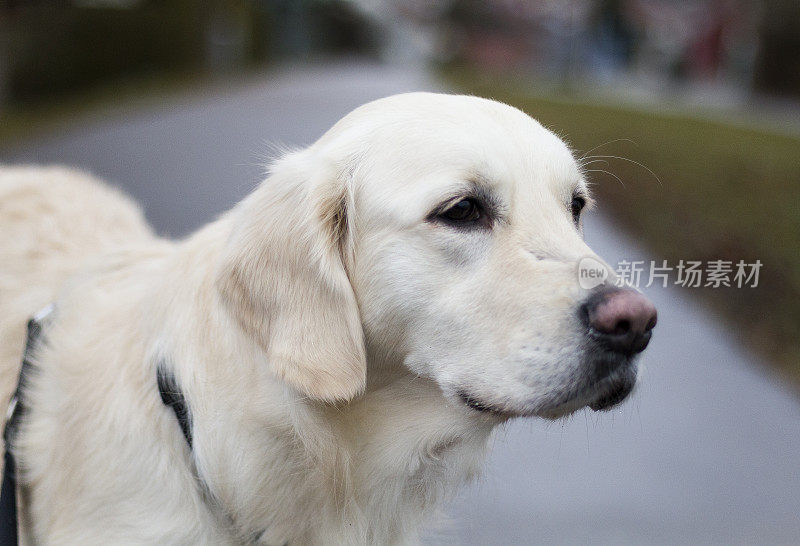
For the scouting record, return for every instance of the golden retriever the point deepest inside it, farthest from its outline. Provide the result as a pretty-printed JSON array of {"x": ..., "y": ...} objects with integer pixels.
[{"x": 344, "y": 340}]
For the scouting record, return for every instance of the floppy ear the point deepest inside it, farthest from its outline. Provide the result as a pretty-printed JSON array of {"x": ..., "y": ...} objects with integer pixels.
[{"x": 283, "y": 278}]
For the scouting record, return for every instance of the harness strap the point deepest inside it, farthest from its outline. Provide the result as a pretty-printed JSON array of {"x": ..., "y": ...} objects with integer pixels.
[
  {"x": 172, "y": 397},
  {"x": 8, "y": 503},
  {"x": 9, "y": 531}
]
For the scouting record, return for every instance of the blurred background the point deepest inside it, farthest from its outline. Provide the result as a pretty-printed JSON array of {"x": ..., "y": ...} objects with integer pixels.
[
  {"x": 688, "y": 110},
  {"x": 718, "y": 52}
]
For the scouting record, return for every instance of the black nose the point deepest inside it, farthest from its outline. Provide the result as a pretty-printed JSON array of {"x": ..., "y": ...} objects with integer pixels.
[{"x": 620, "y": 319}]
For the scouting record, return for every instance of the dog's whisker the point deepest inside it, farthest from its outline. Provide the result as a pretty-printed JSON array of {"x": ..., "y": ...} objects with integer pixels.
[
  {"x": 608, "y": 173},
  {"x": 645, "y": 167},
  {"x": 586, "y": 153},
  {"x": 594, "y": 161}
]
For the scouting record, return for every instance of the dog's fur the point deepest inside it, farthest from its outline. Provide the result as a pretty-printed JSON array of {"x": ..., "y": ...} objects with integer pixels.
[{"x": 335, "y": 339}]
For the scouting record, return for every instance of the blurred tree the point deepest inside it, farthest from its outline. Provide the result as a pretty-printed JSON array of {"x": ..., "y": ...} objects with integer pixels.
[
  {"x": 58, "y": 46},
  {"x": 48, "y": 47},
  {"x": 778, "y": 62}
]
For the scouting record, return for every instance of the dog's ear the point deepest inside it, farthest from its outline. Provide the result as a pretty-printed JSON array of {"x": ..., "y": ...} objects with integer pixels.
[{"x": 283, "y": 278}]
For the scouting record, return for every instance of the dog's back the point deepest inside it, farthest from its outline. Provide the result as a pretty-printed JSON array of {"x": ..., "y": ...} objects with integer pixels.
[{"x": 52, "y": 220}]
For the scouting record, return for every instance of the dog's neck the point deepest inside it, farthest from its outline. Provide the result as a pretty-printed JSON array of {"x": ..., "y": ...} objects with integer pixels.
[
  {"x": 384, "y": 463},
  {"x": 408, "y": 450}
]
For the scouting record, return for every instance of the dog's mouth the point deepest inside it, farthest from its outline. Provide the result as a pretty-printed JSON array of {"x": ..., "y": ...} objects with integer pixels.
[
  {"x": 487, "y": 408},
  {"x": 613, "y": 379},
  {"x": 598, "y": 391},
  {"x": 618, "y": 389}
]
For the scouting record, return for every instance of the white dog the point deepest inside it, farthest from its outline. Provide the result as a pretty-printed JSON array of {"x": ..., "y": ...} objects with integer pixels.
[{"x": 340, "y": 344}]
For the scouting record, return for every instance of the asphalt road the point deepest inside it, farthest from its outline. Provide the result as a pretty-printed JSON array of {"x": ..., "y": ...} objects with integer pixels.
[{"x": 707, "y": 451}]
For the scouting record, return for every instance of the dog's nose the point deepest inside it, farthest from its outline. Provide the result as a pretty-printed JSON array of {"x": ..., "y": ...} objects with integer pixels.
[{"x": 621, "y": 319}]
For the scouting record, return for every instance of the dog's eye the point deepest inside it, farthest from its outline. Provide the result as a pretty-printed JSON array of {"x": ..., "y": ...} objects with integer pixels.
[
  {"x": 577, "y": 206},
  {"x": 466, "y": 210}
]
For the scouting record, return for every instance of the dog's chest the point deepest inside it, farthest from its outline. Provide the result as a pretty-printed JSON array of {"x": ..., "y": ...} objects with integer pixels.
[{"x": 382, "y": 497}]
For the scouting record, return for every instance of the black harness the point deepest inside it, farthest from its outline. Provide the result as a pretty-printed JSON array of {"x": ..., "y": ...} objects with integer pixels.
[
  {"x": 9, "y": 533},
  {"x": 172, "y": 396},
  {"x": 168, "y": 389}
]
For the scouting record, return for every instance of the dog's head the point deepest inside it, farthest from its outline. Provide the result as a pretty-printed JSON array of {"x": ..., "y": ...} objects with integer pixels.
[{"x": 441, "y": 233}]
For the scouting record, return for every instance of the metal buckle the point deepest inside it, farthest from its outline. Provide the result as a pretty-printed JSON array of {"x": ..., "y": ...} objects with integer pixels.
[
  {"x": 44, "y": 312},
  {"x": 12, "y": 407}
]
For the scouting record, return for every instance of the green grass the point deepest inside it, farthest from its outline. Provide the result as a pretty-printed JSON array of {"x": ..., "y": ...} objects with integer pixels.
[{"x": 725, "y": 192}]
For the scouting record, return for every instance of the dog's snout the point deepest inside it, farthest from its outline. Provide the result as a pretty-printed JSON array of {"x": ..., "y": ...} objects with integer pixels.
[{"x": 621, "y": 319}]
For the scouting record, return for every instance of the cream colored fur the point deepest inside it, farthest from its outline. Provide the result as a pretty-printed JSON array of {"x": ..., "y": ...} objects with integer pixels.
[{"x": 324, "y": 332}]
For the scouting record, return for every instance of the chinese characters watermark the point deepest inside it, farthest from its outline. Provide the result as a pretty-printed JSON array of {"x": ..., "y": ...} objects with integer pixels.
[{"x": 686, "y": 273}]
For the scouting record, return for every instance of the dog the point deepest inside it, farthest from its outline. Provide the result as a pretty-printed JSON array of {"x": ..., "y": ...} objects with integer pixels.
[{"x": 324, "y": 363}]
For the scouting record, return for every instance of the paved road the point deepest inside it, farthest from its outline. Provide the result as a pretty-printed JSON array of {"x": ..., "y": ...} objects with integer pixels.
[{"x": 708, "y": 449}]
